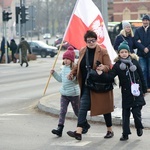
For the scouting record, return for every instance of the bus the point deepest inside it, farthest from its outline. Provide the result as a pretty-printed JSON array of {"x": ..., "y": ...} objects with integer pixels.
[{"x": 114, "y": 28}]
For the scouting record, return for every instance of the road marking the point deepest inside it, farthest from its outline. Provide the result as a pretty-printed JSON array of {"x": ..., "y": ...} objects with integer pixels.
[
  {"x": 7, "y": 114},
  {"x": 72, "y": 143}
]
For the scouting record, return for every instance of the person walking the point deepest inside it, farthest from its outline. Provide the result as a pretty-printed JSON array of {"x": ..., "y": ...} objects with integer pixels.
[
  {"x": 126, "y": 34},
  {"x": 13, "y": 48},
  {"x": 24, "y": 46},
  {"x": 69, "y": 90},
  {"x": 97, "y": 103},
  {"x": 142, "y": 36},
  {"x": 130, "y": 74},
  {"x": 3, "y": 49}
]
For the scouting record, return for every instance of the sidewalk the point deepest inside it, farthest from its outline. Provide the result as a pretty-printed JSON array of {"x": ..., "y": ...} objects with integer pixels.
[{"x": 51, "y": 104}]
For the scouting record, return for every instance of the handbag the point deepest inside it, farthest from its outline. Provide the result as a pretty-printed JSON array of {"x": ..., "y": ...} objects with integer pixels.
[
  {"x": 91, "y": 81},
  {"x": 134, "y": 86}
]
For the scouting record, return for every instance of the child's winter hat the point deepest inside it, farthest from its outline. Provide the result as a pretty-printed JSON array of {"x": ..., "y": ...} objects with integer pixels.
[
  {"x": 146, "y": 17},
  {"x": 123, "y": 45},
  {"x": 69, "y": 54},
  {"x": 125, "y": 24}
]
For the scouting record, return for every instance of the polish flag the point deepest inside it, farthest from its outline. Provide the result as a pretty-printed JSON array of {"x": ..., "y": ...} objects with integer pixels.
[{"x": 86, "y": 16}]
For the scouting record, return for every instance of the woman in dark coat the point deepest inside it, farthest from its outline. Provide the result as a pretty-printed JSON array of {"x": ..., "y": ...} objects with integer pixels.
[
  {"x": 127, "y": 68},
  {"x": 126, "y": 34},
  {"x": 13, "y": 48}
]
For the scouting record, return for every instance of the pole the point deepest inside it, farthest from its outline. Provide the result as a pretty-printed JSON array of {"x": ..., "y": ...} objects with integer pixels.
[
  {"x": 5, "y": 34},
  {"x": 104, "y": 11}
]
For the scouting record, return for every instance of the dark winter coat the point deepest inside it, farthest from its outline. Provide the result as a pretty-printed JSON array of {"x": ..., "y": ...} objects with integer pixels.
[
  {"x": 101, "y": 103},
  {"x": 144, "y": 37},
  {"x": 130, "y": 39},
  {"x": 128, "y": 100},
  {"x": 3, "y": 45},
  {"x": 13, "y": 46}
]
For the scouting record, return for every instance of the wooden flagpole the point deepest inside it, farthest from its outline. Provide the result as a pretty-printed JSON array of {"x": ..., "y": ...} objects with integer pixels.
[{"x": 53, "y": 68}]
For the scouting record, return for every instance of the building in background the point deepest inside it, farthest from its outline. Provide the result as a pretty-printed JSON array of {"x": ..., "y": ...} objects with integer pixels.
[{"x": 130, "y": 9}]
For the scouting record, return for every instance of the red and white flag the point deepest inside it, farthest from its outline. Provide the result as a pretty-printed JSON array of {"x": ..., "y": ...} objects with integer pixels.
[{"x": 86, "y": 16}]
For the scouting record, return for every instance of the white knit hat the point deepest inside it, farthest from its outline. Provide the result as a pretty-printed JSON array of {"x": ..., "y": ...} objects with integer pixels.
[{"x": 125, "y": 24}]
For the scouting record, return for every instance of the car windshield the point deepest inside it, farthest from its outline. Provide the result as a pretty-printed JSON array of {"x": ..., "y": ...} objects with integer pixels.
[{"x": 42, "y": 44}]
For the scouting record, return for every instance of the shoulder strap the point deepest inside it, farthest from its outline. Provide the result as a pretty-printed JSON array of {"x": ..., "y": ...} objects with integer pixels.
[{"x": 87, "y": 60}]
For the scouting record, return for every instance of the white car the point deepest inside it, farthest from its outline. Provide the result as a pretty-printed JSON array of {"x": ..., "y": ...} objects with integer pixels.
[{"x": 47, "y": 36}]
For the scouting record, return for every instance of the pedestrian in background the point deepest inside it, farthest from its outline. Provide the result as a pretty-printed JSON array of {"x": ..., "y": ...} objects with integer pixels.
[
  {"x": 69, "y": 90},
  {"x": 24, "y": 47},
  {"x": 142, "y": 36},
  {"x": 128, "y": 70},
  {"x": 97, "y": 103},
  {"x": 13, "y": 48},
  {"x": 126, "y": 34},
  {"x": 3, "y": 50}
]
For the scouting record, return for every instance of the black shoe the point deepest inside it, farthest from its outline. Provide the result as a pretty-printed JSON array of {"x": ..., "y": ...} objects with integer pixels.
[
  {"x": 75, "y": 135},
  {"x": 109, "y": 134},
  {"x": 86, "y": 128},
  {"x": 27, "y": 64},
  {"x": 139, "y": 132},
  {"x": 124, "y": 137},
  {"x": 21, "y": 65},
  {"x": 58, "y": 131}
]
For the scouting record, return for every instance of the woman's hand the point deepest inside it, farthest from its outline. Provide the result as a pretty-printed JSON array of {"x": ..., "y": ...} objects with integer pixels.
[{"x": 99, "y": 69}]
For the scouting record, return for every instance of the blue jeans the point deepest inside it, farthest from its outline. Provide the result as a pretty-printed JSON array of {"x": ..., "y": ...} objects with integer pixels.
[
  {"x": 85, "y": 105},
  {"x": 145, "y": 65}
]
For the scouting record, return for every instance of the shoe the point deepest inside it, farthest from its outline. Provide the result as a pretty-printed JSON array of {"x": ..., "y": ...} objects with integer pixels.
[
  {"x": 148, "y": 90},
  {"x": 75, "y": 135},
  {"x": 124, "y": 137},
  {"x": 21, "y": 65},
  {"x": 27, "y": 65},
  {"x": 139, "y": 132},
  {"x": 86, "y": 128},
  {"x": 58, "y": 131},
  {"x": 109, "y": 134}
]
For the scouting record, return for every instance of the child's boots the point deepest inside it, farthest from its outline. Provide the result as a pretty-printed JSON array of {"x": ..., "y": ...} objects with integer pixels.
[{"x": 58, "y": 131}]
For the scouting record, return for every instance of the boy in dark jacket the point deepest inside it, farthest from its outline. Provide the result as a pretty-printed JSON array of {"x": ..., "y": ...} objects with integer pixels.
[{"x": 128, "y": 71}]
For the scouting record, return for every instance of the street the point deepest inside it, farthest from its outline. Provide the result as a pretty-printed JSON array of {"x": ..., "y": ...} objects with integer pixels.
[{"x": 24, "y": 127}]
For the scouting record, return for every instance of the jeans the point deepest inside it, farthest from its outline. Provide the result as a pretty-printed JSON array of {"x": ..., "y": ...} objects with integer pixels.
[
  {"x": 145, "y": 65},
  {"x": 85, "y": 104}
]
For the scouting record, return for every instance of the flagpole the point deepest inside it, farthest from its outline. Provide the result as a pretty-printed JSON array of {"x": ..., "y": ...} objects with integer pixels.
[
  {"x": 53, "y": 68},
  {"x": 59, "y": 50}
]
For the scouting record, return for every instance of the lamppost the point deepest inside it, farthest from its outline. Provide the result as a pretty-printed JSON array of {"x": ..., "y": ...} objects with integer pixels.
[{"x": 104, "y": 10}]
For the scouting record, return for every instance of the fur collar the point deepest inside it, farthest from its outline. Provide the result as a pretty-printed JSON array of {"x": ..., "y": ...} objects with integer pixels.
[{"x": 133, "y": 56}]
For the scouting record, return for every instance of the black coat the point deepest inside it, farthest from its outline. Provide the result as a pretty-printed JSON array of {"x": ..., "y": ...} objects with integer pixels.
[
  {"x": 128, "y": 100},
  {"x": 133, "y": 44},
  {"x": 144, "y": 37}
]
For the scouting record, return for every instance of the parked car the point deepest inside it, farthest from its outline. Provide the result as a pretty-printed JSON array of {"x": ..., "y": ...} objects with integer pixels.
[
  {"x": 47, "y": 36},
  {"x": 58, "y": 41},
  {"x": 64, "y": 46},
  {"x": 41, "y": 48}
]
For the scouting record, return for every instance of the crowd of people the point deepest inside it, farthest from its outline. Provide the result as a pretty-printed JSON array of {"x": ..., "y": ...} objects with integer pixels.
[
  {"x": 132, "y": 66},
  {"x": 21, "y": 48}
]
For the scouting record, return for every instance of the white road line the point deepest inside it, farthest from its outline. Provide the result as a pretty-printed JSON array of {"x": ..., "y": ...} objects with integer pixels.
[{"x": 72, "y": 143}]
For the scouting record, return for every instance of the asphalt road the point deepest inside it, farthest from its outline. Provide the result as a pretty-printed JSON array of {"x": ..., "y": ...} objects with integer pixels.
[{"x": 24, "y": 127}]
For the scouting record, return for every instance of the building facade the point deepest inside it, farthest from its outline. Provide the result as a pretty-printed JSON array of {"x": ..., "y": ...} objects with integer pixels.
[{"x": 130, "y": 9}]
